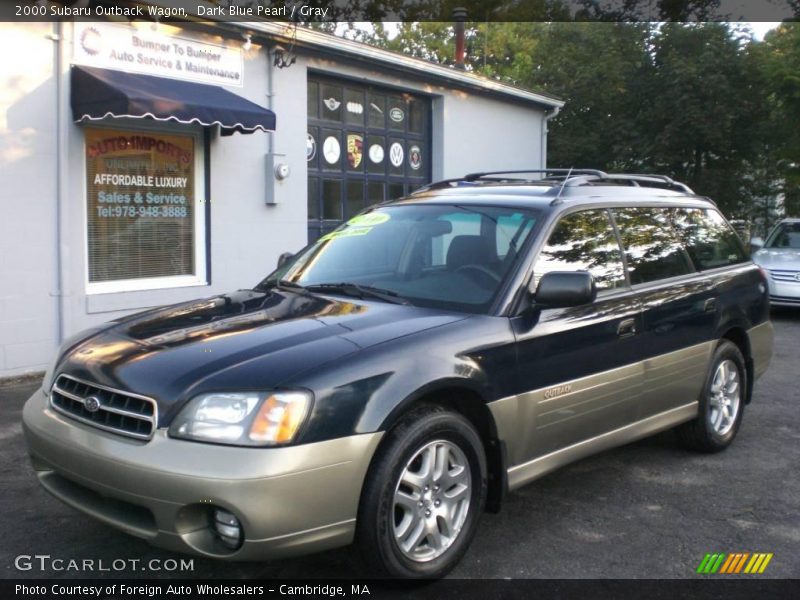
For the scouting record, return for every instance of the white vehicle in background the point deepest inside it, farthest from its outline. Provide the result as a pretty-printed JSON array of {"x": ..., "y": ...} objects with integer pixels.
[{"x": 779, "y": 256}]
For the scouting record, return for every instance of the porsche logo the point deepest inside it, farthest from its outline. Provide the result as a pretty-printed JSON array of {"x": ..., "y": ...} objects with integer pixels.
[{"x": 355, "y": 150}]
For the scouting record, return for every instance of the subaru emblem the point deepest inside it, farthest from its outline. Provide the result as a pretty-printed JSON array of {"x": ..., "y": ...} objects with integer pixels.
[{"x": 92, "y": 404}]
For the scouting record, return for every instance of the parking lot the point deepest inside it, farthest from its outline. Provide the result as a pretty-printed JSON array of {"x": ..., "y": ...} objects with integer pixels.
[{"x": 647, "y": 510}]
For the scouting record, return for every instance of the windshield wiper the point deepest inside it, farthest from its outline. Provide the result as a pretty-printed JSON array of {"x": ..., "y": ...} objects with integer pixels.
[
  {"x": 284, "y": 285},
  {"x": 359, "y": 291}
]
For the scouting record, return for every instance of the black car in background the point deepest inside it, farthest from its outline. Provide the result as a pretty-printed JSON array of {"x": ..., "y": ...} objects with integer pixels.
[{"x": 397, "y": 377}]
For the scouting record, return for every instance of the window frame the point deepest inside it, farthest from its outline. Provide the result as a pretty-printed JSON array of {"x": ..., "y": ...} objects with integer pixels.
[
  {"x": 693, "y": 270},
  {"x": 615, "y": 235},
  {"x": 201, "y": 214}
]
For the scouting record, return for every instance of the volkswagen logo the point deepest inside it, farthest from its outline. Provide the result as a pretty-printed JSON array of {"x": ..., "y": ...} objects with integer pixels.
[
  {"x": 92, "y": 404},
  {"x": 797, "y": 276}
]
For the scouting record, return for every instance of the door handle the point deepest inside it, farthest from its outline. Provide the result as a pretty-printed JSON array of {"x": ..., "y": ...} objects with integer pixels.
[
  {"x": 626, "y": 327},
  {"x": 710, "y": 305}
]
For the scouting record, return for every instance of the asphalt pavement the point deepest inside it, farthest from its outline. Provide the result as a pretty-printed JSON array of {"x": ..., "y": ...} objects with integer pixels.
[{"x": 646, "y": 510}]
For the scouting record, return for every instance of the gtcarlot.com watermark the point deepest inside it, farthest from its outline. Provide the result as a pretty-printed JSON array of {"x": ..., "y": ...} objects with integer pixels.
[{"x": 48, "y": 563}]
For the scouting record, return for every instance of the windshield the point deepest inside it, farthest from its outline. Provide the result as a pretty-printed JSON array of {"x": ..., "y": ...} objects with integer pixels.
[
  {"x": 785, "y": 235},
  {"x": 452, "y": 257}
]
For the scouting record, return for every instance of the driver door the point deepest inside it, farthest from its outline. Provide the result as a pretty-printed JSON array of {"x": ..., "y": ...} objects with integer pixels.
[{"x": 579, "y": 367}]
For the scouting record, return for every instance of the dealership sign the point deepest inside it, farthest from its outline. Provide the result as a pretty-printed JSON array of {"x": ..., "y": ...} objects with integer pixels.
[{"x": 140, "y": 49}]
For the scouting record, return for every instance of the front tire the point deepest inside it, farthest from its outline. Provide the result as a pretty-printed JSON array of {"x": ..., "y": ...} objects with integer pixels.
[
  {"x": 721, "y": 403},
  {"x": 423, "y": 496}
]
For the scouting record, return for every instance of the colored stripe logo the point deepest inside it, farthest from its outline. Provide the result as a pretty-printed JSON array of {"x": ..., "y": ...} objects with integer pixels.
[{"x": 737, "y": 562}]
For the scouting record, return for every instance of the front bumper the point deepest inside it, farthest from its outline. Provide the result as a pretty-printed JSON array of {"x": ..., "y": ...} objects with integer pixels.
[
  {"x": 783, "y": 293},
  {"x": 292, "y": 500}
]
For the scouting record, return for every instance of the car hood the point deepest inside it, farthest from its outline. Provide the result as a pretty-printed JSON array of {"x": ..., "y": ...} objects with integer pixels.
[
  {"x": 247, "y": 340},
  {"x": 778, "y": 258}
]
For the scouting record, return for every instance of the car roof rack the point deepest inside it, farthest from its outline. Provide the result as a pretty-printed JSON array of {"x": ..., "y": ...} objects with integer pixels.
[
  {"x": 642, "y": 179},
  {"x": 560, "y": 177}
]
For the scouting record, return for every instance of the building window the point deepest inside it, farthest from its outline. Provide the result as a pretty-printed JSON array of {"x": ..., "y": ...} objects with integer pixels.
[
  {"x": 145, "y": 214},
  {"x": 364, "y": 145}
]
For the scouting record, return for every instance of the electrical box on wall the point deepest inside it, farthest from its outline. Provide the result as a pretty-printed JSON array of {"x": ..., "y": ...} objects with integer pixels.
[{"x": 277, "y": 172}]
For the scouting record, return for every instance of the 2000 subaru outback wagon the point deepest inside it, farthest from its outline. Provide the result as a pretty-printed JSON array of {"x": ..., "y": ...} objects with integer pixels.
[{"x": 394, "y": 379}]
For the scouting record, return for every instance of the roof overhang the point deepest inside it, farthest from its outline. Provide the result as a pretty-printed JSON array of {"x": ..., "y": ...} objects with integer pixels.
[{"x": 329, "y": 44}]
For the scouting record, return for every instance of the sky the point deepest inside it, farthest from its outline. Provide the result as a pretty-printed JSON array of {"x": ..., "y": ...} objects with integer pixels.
[{"x": 761, "y": 28}]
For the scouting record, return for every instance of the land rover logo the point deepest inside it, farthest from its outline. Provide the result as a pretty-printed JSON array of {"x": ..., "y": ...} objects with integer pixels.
[
  {"x": 397, "y": 115},
  {"x": 92, "y": 404}
]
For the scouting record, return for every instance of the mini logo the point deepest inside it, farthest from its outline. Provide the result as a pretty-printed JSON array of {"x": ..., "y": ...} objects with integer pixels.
[
  {"x": 559, "y": 390},
  {"x": 91, "y": 41},
  {"x": 397, "y": 115},
  {"x": 311, "y": 147},
  {"x": 332, "y": 103},
  {"x": 92, "y": 404},
  {"x": 414, "y": 158},
  {"x": 396, "y": 154},
  {"x": 720, "y": 563}
]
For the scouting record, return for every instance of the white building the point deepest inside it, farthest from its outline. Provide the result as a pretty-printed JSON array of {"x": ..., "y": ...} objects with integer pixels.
[{"x": 122, "y": 188}]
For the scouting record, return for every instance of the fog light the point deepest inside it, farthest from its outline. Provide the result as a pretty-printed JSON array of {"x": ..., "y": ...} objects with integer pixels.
[{"x": 228, "y": 528}]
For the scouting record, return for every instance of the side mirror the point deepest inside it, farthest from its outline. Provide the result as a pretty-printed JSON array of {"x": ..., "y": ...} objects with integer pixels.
[
  {"x": 559, "y": 289},
  {"x": 284, "y": 258},
  {"x": 756, "y": 243}
]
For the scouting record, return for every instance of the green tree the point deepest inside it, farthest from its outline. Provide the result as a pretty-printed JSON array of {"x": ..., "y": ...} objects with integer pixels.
[{"x": 779, "y": 59}]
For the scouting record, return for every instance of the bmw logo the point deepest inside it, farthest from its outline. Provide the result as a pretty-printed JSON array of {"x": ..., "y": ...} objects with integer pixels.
[{"x": 92, "y": 404}]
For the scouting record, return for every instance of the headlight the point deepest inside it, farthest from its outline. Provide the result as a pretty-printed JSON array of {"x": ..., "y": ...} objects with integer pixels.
[{"x": 243, "y": 418}]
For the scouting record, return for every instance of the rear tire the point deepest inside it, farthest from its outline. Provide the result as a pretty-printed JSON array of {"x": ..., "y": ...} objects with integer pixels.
[
  {"x": 721, "y": 403},
  {"x": 423, "y": 496}
]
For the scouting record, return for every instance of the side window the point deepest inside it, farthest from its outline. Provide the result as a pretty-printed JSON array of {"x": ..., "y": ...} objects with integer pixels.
[
  {"x": 709, "y": 240},
  {"x": 584, "y": 241},
  {"x": 652, "y": 248}
]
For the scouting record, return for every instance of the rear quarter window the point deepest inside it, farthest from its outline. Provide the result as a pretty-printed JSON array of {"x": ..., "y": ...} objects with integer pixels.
[{"x": 707, "y": 237}]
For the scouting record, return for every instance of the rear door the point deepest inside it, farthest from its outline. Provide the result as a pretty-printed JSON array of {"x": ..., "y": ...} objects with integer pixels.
[
  {"x": 578, "y": 367},
  {"x": 678, "y": 308}
]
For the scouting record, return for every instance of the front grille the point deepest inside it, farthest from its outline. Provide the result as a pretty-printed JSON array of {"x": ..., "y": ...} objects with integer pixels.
[
  {"x": 785, "y": 299},
  {"x": 784, "y": 275},
  {"x": 105, "y": 408}
]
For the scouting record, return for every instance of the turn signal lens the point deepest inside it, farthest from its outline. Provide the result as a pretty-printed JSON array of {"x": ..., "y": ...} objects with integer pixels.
[{"x": 279, "y": 417}]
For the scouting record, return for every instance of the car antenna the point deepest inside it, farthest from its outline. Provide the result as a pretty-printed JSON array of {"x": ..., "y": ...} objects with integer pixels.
[{"x": 561, "y": 189}]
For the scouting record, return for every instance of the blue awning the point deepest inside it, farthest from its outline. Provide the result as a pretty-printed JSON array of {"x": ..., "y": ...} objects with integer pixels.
[{"x": 102, "y": 93}]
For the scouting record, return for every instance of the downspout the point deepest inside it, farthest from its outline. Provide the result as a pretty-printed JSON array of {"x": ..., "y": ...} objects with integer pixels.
[
  {"x": 270, "y": 95},
  {"x": 547, "y": 116},
  {"x": 61, "y": 271}
]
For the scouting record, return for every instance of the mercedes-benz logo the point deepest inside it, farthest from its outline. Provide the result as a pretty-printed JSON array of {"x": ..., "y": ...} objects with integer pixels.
[{"x": 92, "y": 404}]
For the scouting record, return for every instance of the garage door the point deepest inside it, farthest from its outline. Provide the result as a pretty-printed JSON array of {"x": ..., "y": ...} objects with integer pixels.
[{"x": 365, "y": 144}]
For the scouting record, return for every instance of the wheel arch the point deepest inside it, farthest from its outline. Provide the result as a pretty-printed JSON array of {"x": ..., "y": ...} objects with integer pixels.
[
  {"x": 465, "y": 399},
  {"x": 737, "y": 334}
]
